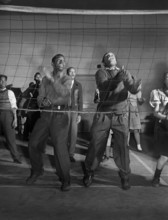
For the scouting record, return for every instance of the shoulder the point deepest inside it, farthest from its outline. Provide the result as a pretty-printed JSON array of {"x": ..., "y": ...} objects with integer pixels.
[
  {"x": 157, "y": 92},
  {"x": 66, "y": 78},
  {"x": 32, "y": 85},
  {"x": 156, "y": 97},
  {"x": 46, "y": 80},
  {"x": 26, "y": 92},
  {"x": 77, "y": 83},
  {"x": 101, "y": 73}
]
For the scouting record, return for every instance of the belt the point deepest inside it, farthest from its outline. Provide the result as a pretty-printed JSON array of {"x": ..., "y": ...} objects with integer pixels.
[
  {"x": 59, "y": 107},
  {"x": 112, "y": 113}
]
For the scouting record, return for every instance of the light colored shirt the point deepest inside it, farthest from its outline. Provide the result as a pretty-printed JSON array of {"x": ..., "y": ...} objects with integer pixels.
[{"x": 158, "y": 97}]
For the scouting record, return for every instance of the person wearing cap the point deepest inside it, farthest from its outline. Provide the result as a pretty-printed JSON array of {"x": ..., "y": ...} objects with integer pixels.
[
  {"x": 54, "y": 99},
  {"x": 8, "y": 117},
  {"x": 113, "y": 83}
]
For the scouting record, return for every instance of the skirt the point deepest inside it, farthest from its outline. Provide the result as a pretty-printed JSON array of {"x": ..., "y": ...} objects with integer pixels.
[
  {"x": 134, "y": 119},
  {"x": 161, "y": 137}
]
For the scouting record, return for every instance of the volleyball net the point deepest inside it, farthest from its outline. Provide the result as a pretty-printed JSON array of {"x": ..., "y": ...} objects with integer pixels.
[{"x": 29, "y": 39}]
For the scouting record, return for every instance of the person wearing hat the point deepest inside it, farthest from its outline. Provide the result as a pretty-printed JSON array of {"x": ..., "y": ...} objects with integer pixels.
[
  {"x": 54, "y": 99},
  {"x": 113, "y": 83}
]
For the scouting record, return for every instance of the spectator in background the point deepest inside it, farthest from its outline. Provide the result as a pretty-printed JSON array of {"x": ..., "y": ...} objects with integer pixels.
[
  {"x": 29, "y": 102},
  {"x": 75, "y": 115},
  {"x": 8, "y": 117},
  {"x": 18, "y": 94},
  {"x": 159, "y": 102},
  {"x": 134, "y": 118},
  {"x": 113, "y": 84},
  {"x": 54, "y": 98}
]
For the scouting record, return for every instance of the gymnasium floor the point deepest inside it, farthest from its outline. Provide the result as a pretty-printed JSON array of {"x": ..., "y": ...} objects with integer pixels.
[{"x": 103, "y": 200}]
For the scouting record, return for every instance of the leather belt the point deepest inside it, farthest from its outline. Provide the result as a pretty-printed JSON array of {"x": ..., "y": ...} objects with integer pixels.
[{"x": 59, "y": 107}]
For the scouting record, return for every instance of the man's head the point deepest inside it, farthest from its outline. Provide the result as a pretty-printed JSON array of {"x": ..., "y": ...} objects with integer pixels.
[
  {"x": 3, "y": 81},
  {"x": 71, "y": 72},
  {"x": 109, "y": 59},
  {"x": 58, "y": 62},
  {"x": 37, "y": 78}
]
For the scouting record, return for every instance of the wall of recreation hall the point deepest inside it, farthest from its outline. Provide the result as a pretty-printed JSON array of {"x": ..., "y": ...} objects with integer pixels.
[{"x": 28, "y": 42}]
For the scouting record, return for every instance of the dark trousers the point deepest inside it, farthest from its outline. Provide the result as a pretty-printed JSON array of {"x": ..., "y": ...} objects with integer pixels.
[
  {"x": 6, "y": 119},
  {"x": 102, "y": 123},
  {"x": 56, "y": 125},
  {"x": 31, "y": 119},
  {"x": 73, "y": 130}
]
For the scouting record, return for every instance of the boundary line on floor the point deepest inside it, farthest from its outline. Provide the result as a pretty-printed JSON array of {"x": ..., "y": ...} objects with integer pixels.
[
  {"x": 147, "y": 167},
  {"x": 72, "y": 186}
]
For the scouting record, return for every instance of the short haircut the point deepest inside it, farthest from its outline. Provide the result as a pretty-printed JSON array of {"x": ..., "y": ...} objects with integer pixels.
[
  {"x": 5, "y": 76},
  {"x": 36, "y": 74},
  {"x": 103, "y": 59},
  {"x": 69, "y": 68},
  {"x": 56, "y": 57}
]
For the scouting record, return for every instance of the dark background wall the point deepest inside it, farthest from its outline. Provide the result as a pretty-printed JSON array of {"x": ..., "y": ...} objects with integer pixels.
[
  {"x": 94, "y": 4},
  {"x": 29, "y": 40}
]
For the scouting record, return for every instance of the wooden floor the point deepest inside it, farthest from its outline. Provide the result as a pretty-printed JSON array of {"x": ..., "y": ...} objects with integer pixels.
[{"x": 103, "y": 200}]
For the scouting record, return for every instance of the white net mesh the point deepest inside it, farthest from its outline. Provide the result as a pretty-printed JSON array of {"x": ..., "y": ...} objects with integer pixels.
[{"x": 28, "y": 41}]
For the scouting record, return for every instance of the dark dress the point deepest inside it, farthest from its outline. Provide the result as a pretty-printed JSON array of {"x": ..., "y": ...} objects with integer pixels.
[{"x": 161, "y": 126}]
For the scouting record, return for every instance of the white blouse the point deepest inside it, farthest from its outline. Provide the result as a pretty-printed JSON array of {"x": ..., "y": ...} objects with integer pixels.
[{"x": 158, "y": 98}]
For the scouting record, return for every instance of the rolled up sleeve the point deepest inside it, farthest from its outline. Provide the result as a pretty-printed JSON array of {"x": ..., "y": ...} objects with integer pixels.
[
  {"x": 12, "y": 99},
  {"x": 154, "y": 98}
]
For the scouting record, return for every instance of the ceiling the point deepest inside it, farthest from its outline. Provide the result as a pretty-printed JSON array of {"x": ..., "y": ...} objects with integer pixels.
[{"x": 93, "y": 4}]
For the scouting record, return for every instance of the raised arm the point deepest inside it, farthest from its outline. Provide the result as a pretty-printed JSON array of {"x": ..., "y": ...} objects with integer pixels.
[
  {"x": 132, "y": 85},
  {"x": 42, "y": 95}
]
